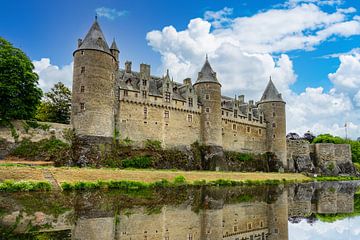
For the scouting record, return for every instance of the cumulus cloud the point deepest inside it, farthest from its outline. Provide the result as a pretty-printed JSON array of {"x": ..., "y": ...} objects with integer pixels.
[
  {"x": 245, "y": 51},
  {"x": 110, "y": 13},
  {"x": 50, "y": 74}
]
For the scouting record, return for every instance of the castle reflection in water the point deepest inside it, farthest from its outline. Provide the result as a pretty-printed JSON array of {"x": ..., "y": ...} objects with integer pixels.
[{"x": 236, "y": 213}]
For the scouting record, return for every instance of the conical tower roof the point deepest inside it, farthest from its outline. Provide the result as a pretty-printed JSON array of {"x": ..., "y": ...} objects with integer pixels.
[
  {"x": 114, "y": 46},
  {"x": 271, "y": 93},
  {"x": 95, "y": 39},
  {"x": 207, "y": 74}
]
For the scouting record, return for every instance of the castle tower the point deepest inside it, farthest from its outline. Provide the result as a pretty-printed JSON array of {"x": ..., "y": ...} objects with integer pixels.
[
  {"x": 93, "y": 87},
  {"x": 208, "y": 89},
  {"x": 273, "y": 107},
  {"x": 115, "y": 52}
]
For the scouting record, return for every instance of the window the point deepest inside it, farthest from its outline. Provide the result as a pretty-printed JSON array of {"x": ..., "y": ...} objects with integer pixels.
[
  {"x": 144, "y": 82},
  {"x": 126, "y": 93},
  {"x": 145, "y": 112},
  {"x": 234, "y": 126},
  {"x": 235, "y": 228},
  {"x": 155, "y": 98},
  {"x": 166, "y": 114},
  {"x": 274, "y": 136},
  {"x": 167, "y": 96},
  {"x": 82, "y": 70},
  {"x": 189, "y": 118},
  {"x": 136, "y": 95},
  {"x": 261, "y": 119},
  {"x": 261, "y": 224},
  {"x": 190, "y": 90},
  {"x": 144, "y": 94},
  {"x": 235, "y": 113},
  {"x": 82, "y": 89},
  {"x": 207, "y": 110},
  {"x": 82, "y": 52},
  {"x": 248, "y": 129},
  {"x": 273, "y": 125},
  {"x": 227, "y": 114},
  {"x": 190, "y": 236},
  {"x": 207, "y": 97},
  {"x": 249, "y": 225},
  {"x": 222, "y": 113},
  {"x": 190, "y": 101},
  {"x": 249, "y": 116},
  {"x": 82, "y": 106},
  {"x": 260, "y": 132}
]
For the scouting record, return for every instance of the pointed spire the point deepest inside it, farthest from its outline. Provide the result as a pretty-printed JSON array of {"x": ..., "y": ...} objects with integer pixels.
[
  {"x": 114, "y": 46},
  {"x": 95, "y": 39},
  {"x": 207, "y": 74},
  {"x": 271, "y": 93}
]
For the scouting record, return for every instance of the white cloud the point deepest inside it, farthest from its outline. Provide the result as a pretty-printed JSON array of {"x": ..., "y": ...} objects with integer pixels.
[
  {"x": 109, "y": 13},
  {"x": 293, "y": 3},
  {"x": 347, "y": 76},
  {"x": 51, "y": 74},
  {"x": 243, "y": 53},
  {"x": 219, "y": 18}
]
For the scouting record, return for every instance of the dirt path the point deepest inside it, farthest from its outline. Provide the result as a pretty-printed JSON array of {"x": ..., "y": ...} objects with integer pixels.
[{"x": 50, "y": 178}]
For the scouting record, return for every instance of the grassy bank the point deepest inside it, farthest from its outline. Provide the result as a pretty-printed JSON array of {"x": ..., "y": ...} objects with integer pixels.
[{"x": 87, "y": 178}]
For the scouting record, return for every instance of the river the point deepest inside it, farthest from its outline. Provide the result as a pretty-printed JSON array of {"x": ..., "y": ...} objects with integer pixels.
[{"x": 323, "y": 210}]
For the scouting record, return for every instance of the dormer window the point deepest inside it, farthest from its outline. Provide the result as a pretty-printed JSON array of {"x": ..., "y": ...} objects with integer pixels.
[
  {"x": 190, "y": 90},
  {"x": 144, "y": 94},
  {"x": 235, "y": 113},
  {"x": 249, "y": 116},
  {"x": 167, "y": 85},
  {"x": 144, "y": 82}
]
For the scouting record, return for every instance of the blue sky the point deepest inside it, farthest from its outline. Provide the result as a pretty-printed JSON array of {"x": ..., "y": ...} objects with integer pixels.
[{"x": 310, "y": 47}]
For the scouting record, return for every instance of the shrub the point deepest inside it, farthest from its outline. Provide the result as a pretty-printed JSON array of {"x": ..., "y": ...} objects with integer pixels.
[
  {"x": 46, "y": 149},
  {"x": 35, "y": 124},
  {"x": 178, "y": 180},
  {"x": 137, "y": 162},
  {"x": 153, "y": 144},
  {"x": 11, "y": 186}
]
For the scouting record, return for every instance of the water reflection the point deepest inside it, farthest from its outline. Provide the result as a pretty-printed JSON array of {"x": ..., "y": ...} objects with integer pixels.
[{"x": 234, "y": 213}]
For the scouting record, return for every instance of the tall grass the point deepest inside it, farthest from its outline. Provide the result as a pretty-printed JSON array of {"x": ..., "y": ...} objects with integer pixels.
[{"x": 12, "y": 186}]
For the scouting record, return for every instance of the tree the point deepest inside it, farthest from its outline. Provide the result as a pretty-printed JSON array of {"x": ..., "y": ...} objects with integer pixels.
[
  {"x": 56, "y": 105},
  {"x": 292, "y": 136},
  {"x": 19, "y": 93},
  {"x": 309, "y": 136}
]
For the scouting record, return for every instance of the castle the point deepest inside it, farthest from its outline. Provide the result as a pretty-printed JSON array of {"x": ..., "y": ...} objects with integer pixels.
[{"x": 111, "y": 102}]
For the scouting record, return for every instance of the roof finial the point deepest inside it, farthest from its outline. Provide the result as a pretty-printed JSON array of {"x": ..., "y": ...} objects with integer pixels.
[
  {"x": 206, "y": 56},
  {"x": 270, "y": 78},
  {"x": 96, "y": 16},
  {"x": 167, "y": 72}
]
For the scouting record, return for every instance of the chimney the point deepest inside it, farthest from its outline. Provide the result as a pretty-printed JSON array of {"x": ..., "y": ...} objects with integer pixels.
[
  {"x": 241, "y": 99},
  {"x": 128, "y": 66},
  {"x": 187, "y": 81},
  {"x": 144, "y": 71},
  {"x": 79, "y": 42},
  {"x": 251, "y": 102}
]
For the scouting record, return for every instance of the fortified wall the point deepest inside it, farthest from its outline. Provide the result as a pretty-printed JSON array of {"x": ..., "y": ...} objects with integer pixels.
[{"x": 326, "y": 158}]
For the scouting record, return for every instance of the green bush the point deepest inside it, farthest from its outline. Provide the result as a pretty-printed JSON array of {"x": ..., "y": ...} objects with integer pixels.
[
  {"x": 137, "y": 162},
  {"x": 46, "y": 149},
  {"x": 35, "y": 124},
  {"x": 178, "y": 180},
  {"x": 11, "y": 186},
  {"x": 153, "y": 144}
]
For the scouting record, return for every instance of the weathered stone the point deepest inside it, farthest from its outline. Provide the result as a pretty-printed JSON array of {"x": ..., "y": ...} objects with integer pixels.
[{"x": 303, "y": 164}]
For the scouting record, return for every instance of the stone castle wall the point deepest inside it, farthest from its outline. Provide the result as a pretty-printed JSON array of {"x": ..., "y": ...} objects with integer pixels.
[{"x": 327, "y": 158}]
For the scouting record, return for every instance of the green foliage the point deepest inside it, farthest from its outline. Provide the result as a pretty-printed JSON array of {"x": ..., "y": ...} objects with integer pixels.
[
  {"x": 331, "y": 166},
  {"x": 137, "y": 162},
  {"x": 11, "y": 186},
  {"x": 355, "y": 145},
  {"x": 35, "y": 124},
  {"x": 19, "y": 93},
  {"x": 14, "y": 133},
  {"x": 179, "y": 180},
  {"x": 152, "y": 144},
  {"x": 46, "y": 149},
  {"x": 56, "y": 105}
]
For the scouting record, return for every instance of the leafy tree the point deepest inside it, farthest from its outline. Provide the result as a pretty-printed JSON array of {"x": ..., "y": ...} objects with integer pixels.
[
  {"x": 309, "y": 136},
  {"x": 56, "y": 105},
  {"x": 292, "y": 136},
  {"x": 19, "y": 93}
]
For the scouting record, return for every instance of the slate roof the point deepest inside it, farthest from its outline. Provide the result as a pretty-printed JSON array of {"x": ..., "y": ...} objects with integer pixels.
[
  {"x": 95, "y": 39},
  {"x": 114, "y": 46},
  {"x": 271, "y": 93},
  {"x": 207, "y": 74}
]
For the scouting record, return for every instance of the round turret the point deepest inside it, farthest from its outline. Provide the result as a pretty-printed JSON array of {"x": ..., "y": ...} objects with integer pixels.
[
  {"x": 93, "y": 88},
  {"x": 208, "y": 90},
  {"x": 273, "y": 107}
]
